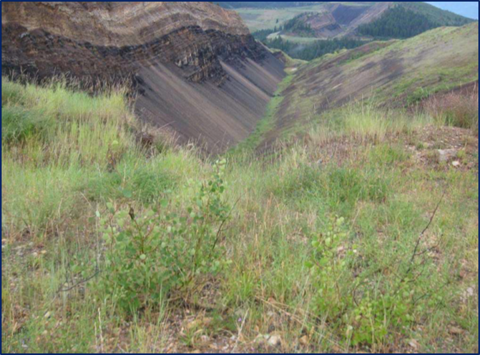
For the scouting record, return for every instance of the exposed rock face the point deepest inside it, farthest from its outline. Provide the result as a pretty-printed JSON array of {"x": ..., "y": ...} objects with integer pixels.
[
  {"x": 121, "y": 24},
  {"x": 197, "y": 45}
]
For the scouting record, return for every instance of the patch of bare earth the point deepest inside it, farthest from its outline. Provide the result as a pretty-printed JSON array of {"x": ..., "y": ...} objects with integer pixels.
[{"x": 442, "y": 147}]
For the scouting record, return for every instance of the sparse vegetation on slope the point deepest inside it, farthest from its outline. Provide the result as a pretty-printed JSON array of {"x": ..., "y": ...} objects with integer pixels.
[
  {"x": 333, "y": 243},
  {"x": 314, "y": 49},
  {"x": 396, "y": 73}
]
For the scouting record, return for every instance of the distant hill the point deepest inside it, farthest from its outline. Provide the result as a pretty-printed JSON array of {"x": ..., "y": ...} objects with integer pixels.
[
  {"x": 339, "y": 19},
  {"x": 404, "y": 20},
  {"x": 434, "y": 14}
]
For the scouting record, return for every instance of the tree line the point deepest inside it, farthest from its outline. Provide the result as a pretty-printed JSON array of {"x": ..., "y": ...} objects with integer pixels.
[
  {"x": 298, "y": 26},
  {"x": 312, "y": 50},
  {"x": 397, "y": 22}
]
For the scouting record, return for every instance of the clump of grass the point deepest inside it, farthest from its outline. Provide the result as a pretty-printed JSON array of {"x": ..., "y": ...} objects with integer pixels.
[
  {"x": 365, "y": 123},
  {"x": 145, "y": 183},
  {"x": 18, "y": 124}
]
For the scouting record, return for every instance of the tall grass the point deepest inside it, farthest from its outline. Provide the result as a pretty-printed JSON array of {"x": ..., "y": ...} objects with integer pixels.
[
  {"x": 364, "y": 121},
  {"x": 317, "y": 252},
  {"x": 459, "y": 109}
]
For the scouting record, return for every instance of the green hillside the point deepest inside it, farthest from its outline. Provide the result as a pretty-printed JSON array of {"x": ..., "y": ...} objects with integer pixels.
[
  {"x": 396, "y": 73},
  {"x": 265, "y": 4},
  {"x": 410, "y": 19},
  {"x": 290, "y": 28},
  {"x": 436, "y": 15}
]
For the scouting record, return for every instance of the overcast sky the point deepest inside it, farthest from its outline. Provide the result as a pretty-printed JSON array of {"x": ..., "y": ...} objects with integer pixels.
[{"x": 467, "y": 9}]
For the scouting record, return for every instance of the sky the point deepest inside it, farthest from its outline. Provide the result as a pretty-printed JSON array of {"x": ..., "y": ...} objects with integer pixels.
[{"x": 467, "y": 9}]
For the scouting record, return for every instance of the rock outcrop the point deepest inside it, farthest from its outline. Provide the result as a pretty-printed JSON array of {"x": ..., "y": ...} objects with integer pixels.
[{"x": 186, "y": 61}]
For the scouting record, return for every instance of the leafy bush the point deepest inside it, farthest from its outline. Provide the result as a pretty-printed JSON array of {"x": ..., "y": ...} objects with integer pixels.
[
  {"x": 352, "y": 293},
  {"x": 151, "y": 256},
  {"x": 327, "y": 268},
  {"x": 418, "y": 95}
]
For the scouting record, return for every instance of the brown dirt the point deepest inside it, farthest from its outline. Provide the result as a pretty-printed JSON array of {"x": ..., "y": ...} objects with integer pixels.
[{"x": 422, "y": 146}]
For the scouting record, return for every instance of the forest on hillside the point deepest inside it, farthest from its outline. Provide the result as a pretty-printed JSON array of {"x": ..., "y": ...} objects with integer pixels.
[
  {"x": 397, "y": 22},
  {"x": 299, "y": 26}
]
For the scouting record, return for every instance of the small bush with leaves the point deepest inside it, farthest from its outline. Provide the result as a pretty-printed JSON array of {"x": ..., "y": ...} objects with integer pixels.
[
  {"x": 354, "y": 296},
  {"x": 329, "y": 263},
  {"x": 151, "y": 256}
]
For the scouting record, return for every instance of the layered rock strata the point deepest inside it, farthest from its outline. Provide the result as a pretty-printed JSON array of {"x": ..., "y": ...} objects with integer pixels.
[{"x": 194, "y": 66}]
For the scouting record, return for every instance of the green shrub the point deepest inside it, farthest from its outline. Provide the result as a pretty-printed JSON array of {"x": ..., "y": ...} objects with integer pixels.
[
  {"x": 152, "y": 256},
  {"x": 328, "y": 268},
  {"x": 352, "y": 293},
  {"x": 418, "y": 95}
]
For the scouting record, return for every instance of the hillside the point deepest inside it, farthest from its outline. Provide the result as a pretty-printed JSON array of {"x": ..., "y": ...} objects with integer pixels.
[
  {"x": 310, "y": 31},
  {"x": 196, "y": 54},
  {"x": 344, "y": 16},
  {"x": 265, "y": 5},
  {"x": 394, "y": 73},
  {"x": 434, "y": 14},
  {"x": 338, "y": 212}
]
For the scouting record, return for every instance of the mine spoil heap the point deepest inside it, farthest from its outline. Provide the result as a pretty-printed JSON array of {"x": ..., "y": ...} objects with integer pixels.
[{"x": 194, "y": 66}]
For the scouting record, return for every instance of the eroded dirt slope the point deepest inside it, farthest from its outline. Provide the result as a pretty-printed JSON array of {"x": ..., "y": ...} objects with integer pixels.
[{"x": 195, "y": 67}]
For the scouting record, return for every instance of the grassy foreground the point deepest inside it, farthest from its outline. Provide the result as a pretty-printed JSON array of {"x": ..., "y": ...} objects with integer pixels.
[{"x": 356, "y": 238}]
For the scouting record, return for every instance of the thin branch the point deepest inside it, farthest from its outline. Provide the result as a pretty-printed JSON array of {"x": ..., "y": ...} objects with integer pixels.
[
  {"x": 417, "y": 244},
  {"x": 79, "y": 283}
]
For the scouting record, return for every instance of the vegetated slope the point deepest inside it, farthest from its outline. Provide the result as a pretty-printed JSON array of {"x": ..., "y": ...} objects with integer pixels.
[
  {"x": 397, "y": 22},
  {"x": 113, "y": 246},
  {"x": 433, "y": 13},
  {"x": 394, "y": 73},
  {"x": 313, "y": 24},
  {"x": 195, "y": 67},
  {"x": 404, "y": 21}
]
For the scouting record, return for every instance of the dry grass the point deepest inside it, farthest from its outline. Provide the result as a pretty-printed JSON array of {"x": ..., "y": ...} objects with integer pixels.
[{"x": 458, "y": 108}]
